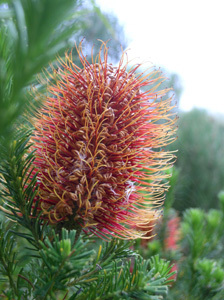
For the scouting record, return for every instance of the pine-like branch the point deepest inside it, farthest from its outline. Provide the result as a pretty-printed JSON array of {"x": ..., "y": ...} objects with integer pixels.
[
  {"x": 31, "y": 34},
  {"x": 8, "y": 261},
  {"x": 18, "y": 191}
]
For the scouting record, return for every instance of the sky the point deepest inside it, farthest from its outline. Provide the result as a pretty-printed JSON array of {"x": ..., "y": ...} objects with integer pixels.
[{"x": 184, "y": 37}]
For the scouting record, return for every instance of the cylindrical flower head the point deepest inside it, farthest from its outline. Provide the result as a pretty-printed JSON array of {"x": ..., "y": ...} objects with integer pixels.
[{"x": 98, "y": 141}]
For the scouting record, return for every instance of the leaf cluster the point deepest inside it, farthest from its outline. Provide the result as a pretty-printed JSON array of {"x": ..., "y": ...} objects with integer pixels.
[
  {"x": 202, "y": 244},
  {"x": 31, "y": 34},
  {"x": 198, "y": 253},
  {"x": 66, "y": 268},
  {"x": 18, "y": 190}
]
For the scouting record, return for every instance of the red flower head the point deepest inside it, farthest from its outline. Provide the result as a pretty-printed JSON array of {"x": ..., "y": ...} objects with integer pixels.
[{"x": 98, "y": 142}]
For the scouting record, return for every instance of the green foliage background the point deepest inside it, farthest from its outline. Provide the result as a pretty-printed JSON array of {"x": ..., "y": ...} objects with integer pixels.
[
  {"x": 200, "y": 160},
  {"x": 194, "y": 243}
]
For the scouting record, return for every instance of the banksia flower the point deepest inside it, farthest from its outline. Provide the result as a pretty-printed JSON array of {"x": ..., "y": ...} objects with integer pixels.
[
  {"x": 173, "y": 234},
  {"x": 98, "y": 141}
]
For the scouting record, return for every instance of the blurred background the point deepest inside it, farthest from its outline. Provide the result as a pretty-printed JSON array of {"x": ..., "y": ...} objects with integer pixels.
[{"x": 184, "y": 39}]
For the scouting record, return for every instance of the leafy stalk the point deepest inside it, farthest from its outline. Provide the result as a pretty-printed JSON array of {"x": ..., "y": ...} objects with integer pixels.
[
  {"x": 19, "y": 192},
  {"x": 31, "y": 34},
  {"x": 7, "y": 256}
]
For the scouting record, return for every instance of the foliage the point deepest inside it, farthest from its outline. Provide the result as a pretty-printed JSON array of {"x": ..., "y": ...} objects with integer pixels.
[
  {"x": 32, "y": 33},
  {"x": 26, "y": 47},
  {"x": 66, "y": 268},
  {"x": 200, "y": 161},
  {"x": 197, "y": 250},
  {"x": 201, "y": 271},
  {"x": 17, "y": 191}
]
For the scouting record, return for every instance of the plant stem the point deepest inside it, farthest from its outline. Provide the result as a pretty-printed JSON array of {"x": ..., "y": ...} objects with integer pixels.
[
  {"x": 49, "y": 291},
  {"x": 12, "y": 284}
]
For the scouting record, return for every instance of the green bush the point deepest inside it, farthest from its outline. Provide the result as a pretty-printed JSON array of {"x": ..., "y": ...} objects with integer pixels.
[
  {"x": 200, "y": 160},
  {"x": 194, "y": 243}
]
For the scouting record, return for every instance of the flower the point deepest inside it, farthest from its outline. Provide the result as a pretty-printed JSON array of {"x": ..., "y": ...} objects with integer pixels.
[
  {"x": 98, "y": 141},
  {"x": 173, "y": 234},
  {"x": 171, "y": 242}
]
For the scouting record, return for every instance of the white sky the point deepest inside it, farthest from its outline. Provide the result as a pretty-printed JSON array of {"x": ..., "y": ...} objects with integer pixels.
[{"x": 183, "y": 36}]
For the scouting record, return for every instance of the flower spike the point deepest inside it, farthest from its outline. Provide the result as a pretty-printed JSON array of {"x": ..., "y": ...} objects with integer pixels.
[{"x": 98, "y": 142}]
